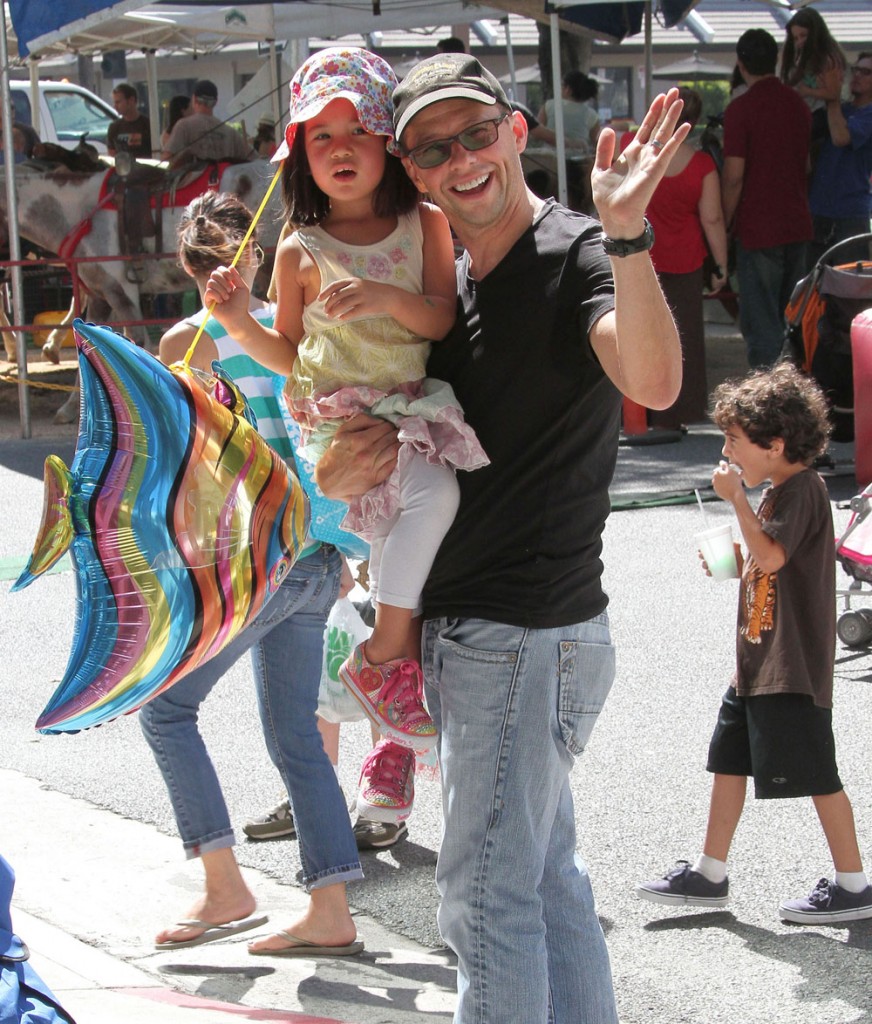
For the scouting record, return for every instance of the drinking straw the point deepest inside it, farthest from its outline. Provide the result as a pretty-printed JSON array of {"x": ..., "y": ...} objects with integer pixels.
[{"x": 701, "y": 506}]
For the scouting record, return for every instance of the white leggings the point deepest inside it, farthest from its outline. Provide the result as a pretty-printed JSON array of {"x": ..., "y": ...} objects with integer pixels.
[{"x": 403, "y": 550}]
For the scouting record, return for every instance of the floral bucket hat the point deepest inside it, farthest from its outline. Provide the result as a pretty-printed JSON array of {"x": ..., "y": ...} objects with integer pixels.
[{"x": 342, "y": 72}]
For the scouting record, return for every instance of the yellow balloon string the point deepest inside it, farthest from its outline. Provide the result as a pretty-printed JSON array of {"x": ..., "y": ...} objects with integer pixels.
[{"x": 189, "y": 355}]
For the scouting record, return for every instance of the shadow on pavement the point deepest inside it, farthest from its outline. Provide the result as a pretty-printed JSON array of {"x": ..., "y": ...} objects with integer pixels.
[
  {"x": 28, "y": 456},
  {"x": 820, "y": 958}
]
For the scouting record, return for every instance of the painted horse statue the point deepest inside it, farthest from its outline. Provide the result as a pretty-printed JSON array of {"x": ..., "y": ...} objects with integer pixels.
[{"x": 74, "y": 215}]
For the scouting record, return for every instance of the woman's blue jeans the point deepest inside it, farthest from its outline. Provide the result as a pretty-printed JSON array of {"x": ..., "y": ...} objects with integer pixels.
[
  {"x": 286, "y": 642},
  {"x": 513, "y": 707}
]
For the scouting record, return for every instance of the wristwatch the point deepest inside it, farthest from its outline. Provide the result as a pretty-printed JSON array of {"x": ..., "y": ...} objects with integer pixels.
[{"x": 628, "y": 246}]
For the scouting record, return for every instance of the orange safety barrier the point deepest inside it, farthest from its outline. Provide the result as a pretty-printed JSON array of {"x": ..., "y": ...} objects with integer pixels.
[{"x": 635, "y": 418}]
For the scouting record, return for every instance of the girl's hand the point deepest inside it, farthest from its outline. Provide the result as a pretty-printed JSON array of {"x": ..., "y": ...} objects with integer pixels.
[
  {"x": 228, "y": 290},
  {"x": 727, "y": 482},
  {"x": 352, "y": 297}
]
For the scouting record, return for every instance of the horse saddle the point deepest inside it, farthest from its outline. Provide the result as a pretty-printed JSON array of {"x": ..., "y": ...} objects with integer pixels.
[
  {"x": 140, "y": 196},
  {"x": 84, "y": 158}
]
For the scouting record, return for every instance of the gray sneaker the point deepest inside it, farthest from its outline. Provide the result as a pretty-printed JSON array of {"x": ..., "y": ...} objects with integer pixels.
[
  {"x": 828, "y": 903},
  {"x": 378, "y": 835},
  {"x": 683, "y": 885},
  {"x": 275, "y": 824}
]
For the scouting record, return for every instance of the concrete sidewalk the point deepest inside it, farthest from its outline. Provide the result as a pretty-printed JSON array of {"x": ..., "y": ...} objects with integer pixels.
[{"x": 92, "y": 943}]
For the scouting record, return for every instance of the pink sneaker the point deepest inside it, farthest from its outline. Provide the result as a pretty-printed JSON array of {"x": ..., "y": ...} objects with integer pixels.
[
  {"x": 390, "y": 694},
  {"x": 386, "y": 790}
]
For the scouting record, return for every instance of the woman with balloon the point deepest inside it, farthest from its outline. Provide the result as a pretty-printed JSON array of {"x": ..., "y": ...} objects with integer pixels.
[{"x": 286, "y": 646}]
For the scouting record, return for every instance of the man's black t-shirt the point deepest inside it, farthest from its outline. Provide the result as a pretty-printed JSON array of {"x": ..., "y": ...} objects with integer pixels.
[
  {"x": 525, "y": 546},
  {"x": 133, "y": 137}
]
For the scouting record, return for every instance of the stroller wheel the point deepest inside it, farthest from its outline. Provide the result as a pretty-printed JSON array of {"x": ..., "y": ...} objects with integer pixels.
[{"x": 854, "y": 629}]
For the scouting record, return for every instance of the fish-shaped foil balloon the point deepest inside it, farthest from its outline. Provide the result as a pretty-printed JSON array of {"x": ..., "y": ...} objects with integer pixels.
[{"x": 180, "y": 519}]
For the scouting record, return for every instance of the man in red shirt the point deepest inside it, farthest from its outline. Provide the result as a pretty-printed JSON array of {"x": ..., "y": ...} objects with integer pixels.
[{"x": 764, "y": 190}]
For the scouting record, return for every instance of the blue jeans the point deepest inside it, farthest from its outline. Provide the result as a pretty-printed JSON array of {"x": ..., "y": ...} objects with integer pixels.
[
  {"x": 766, "y": 279},
  {"x": 286, "y": 642},
  {"x": 514, "y": 707}
]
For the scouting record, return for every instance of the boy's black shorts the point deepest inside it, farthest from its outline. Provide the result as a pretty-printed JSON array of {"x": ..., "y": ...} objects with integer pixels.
[{"x": 784, "y": 740}]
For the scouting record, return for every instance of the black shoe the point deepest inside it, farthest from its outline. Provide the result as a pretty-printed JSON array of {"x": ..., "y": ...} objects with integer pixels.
[
  {"x": 684, "y": 885},
  {"x": 275, "y": 824},
  {"x": 378, "y": 835}
]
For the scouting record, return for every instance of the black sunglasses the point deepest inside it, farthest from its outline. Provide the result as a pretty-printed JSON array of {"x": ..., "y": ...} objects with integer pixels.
[
  {"x": 859, "y": 69},
  {"x": 476, "y": 136}
]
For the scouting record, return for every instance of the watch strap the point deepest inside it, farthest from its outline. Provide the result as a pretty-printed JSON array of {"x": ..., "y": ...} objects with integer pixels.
[{"x": 628, "y": 246}]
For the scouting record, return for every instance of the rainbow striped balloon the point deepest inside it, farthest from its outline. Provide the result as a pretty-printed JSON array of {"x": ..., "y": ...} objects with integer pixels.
[{"x": 180, "y": 519}]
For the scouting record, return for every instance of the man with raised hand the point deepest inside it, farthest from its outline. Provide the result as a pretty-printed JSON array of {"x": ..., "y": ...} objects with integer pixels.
[{"x": 558, "y": 316}]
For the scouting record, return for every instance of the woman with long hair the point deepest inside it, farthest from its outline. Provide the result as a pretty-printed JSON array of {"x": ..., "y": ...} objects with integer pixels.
[{"x": 809, "y": 60}]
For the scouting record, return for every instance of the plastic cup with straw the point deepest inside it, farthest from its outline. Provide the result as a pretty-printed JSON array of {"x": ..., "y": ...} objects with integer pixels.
[{"x": 716, "y": 545}]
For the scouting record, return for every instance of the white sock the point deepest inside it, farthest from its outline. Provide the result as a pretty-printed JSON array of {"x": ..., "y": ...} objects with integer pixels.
[
  {"x": 714, "y": 870},
  {"x": 853, "y": 881}
]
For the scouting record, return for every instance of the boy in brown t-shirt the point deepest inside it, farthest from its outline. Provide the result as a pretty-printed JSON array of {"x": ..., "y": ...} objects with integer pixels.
[{"x": 775, "y": 721}]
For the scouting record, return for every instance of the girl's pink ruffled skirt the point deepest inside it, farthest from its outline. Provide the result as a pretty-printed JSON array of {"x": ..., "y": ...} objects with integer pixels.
[{"x": 430, "y": 423}]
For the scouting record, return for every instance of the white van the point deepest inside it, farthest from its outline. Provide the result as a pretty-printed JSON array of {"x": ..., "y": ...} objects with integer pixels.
[{"x": 66, "y": 113}]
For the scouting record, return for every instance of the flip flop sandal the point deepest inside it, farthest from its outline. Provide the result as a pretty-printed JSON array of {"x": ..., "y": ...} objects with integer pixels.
[
  {"x": 303, "y": 948},
  {"x": 212, "y": 932}
]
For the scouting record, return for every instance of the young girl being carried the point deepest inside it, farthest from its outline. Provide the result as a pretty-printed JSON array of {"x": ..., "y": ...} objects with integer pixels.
[
  {"x": 812, "y": 62},
  {"x": 364, "y": 283}
]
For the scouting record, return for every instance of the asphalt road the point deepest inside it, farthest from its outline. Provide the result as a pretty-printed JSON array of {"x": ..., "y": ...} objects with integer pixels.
[{"x": 641, "y": 790}]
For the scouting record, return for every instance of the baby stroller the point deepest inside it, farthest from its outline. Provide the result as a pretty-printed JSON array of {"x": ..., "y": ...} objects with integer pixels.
[
  {"x": 854, "y": 553},
  {"x": 819, "y": 316}
]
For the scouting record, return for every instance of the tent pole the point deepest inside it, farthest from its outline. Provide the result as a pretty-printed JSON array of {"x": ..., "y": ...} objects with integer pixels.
[
  {"x": 153, "y": 101},
  {"x": 556, "y": 77},
  {"x": 35, "y": 112},
  {"x": 510, "y": 56},
  {"x": 649, "y": 53},
  {"x": 276, "y": 103},
  {"x": 12, "y": 223}
]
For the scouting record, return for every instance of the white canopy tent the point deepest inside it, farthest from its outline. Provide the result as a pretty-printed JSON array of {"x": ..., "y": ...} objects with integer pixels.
[
  {"x": 201, "y": 27},
  {"x": 694, "y": 67}
]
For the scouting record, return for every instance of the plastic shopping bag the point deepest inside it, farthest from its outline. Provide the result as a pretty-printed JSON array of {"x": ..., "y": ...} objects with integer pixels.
[{"x": 345, "y": 630}]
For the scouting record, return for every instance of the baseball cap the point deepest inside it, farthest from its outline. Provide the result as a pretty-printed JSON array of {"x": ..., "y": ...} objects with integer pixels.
[
  {"x": 447, "y": 76},
  {"x": 205, "y": 90},
  {"x": 342, "y": 72}
]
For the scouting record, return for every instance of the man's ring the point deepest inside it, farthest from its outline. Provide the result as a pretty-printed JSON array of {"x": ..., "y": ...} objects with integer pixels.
[{"x": 656, "y": 143}]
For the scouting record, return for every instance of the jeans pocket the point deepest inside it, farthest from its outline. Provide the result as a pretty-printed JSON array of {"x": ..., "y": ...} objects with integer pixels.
[{"x": 586, "y": 673}]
